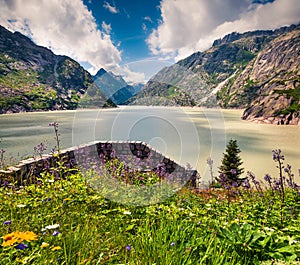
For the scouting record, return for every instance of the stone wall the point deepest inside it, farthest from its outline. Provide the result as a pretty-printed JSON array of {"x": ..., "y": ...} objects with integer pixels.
[{"x": 138, "y": 154}]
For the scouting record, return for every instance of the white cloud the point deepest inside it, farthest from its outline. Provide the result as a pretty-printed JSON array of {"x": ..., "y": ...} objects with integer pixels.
[
  {"x": 189, "y": 26},
  {"x": 106, "y": 27},
  {"x": 147, "y": 18},
  {"x": 110, "y": 8},
  {"x": 65, "y": 26},
  {"x": 129, "y": 76}
]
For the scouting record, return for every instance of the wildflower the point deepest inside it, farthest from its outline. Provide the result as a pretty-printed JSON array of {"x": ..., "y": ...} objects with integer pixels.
[
  {"x": 55, "y": 233},
  {"x": 7, "y": 222},
  {"x": 277, "y": 156},
  {"x": 128, "y": 248},
  {"x": 172, "y": 244},
  {"x": 49, "y": 227},
  {"x": 21, "y": 246},
  {"x": 18, "y": 237},
  {"x": 246, "y": 184},
  {"x": 56, "y": 248},
  {"x": 39, "y": 182},
  {"x": 209, "y": 161},
  {"x": 234, "y": 184},
  {"x": 44, "y": 245},
  {"x": 233, "y": 171},
  {"x": 127, "y": 212},
  {"x": 267, "y": 178},
  {"x": 9, "y": 239},
  {"x": 27, "y": 236}
]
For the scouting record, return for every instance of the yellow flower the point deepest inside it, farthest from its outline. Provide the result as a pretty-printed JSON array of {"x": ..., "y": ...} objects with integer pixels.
[
  {"x": 18, "y": 237},
  {"x": 28, "y": 236},
  {"x": 9, "y": 236},
  {"x": 10, "y": 239},
  {"x": 56, "y": 248},
  {"x": 44, "y": 245}
]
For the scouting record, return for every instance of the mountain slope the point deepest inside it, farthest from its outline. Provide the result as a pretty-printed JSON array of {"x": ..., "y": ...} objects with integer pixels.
[
  {"x": 115, "y": 87},
  {"x": 275, "y": 79},
  {"x": 34, "y": 78},
  {"x": 198, "y": 76}
]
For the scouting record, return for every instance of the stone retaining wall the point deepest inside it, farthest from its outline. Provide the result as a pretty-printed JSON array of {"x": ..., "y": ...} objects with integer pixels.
[{"x": 137, "y": 154}]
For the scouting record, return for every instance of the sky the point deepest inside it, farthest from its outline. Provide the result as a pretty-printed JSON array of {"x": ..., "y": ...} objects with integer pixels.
[{"x": 136, "y": 38}]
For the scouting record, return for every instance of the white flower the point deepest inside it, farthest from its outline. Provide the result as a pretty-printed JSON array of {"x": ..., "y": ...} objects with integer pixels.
[{"x": 49, "y": 227}]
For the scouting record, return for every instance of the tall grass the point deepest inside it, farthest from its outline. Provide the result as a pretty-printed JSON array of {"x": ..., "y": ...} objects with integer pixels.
[
  {"x": 66, "y": 218},
  {"x": 76, "y": 225}
]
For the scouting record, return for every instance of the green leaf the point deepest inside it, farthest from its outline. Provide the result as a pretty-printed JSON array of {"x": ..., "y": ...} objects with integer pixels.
[{"x": 130, "y": 227}]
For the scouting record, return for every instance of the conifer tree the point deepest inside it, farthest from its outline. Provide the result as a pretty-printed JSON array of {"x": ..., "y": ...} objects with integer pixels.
[{"x": 230, "y": 168}]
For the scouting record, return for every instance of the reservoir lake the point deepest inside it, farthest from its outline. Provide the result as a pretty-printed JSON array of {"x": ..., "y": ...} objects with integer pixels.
[{"x": 186, "y": 135}]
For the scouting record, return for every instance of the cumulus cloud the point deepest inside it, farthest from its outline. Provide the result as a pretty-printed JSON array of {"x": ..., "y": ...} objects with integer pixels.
[
  {"x": 131, "y": 77},
  {"x": 66, "y": 27},
  {"x": 189, "y": 26},
  {"x": 110, "y": 8}
]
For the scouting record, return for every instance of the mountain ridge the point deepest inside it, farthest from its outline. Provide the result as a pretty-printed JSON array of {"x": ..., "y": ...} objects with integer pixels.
[
  {"x": 33, "y": 78},
  {"x": 115, "y": 87},
  {"x": 216, "y": 77}
]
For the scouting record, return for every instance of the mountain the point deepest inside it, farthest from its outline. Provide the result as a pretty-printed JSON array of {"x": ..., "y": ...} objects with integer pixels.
[
  {"x": 256, "y": 70},
  {"x": 196, "y": 79},
  {"x": 274, "y": 79},
  {"x": 115, "y": 87},
  {"x": 33, "y": 78}
]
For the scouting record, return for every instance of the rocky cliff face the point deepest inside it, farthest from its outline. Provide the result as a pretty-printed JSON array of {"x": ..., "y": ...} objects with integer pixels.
[
  {"x": 269, "y": 85},
  {"x": 33, "y": 78},
  {"x": 275, "y": 77}
]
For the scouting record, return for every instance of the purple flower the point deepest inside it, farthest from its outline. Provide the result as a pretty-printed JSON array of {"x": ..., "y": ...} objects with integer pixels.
[
  {"x": 7, "y": 222},
  {"x": 209, "y": 161},
  {"x": 21, "y": 246},
  {"x": 172, "y": 244},
  {"x": 54, "y": 124},
  {"x": 251, "y": 175},
  {"x": 277, "y": 156},
  {"x": 128, "y": 248},
  {"x": 246, "y": 184},
  {"x": 233, "y": 171},
  {"x": 267, "y": 178},
  {"x": 55, "y": 233},
  {"x": 234, "y": 184}
]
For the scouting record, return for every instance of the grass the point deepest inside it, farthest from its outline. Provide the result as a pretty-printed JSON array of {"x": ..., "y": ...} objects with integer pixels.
[
  {"x": 76, "y": 224},
  {"x": 110, "y": 212}
]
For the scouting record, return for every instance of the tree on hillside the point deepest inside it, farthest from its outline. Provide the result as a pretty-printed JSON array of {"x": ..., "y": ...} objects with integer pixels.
[{"x": 230, "y": 169}]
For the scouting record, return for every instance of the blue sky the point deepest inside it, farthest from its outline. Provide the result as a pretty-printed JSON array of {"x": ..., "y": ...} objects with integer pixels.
[
  {"x": 136, "y": 38},
  {"x": 131, "y": 22}
]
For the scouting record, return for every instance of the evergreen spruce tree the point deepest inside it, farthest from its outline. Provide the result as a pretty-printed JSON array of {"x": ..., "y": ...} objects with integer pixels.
[{"x": 230, "y": 168}]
